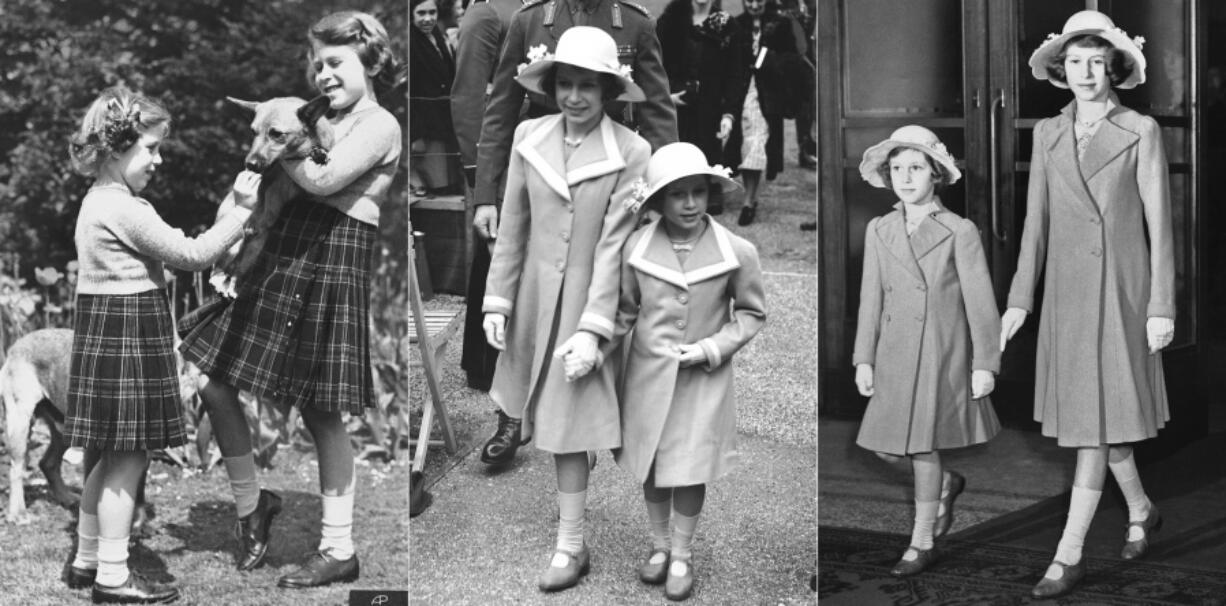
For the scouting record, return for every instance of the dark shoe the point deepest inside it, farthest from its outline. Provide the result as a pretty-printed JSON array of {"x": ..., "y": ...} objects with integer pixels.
[
  {"x": 500, "y": 449},
  {"x": 653, "y": 574},
  {"x": 923, "y": 559},
  {"x": 679, "y": 587},
  {"x": 137, "y": 590},
  {"x": 747, "y": 215},
  {"x": 806, "y": 161},
  {"x": 78, "y": 578},
  {"x": 321, "y": 569},
  {"x": 577, "y": 565},
  {"x": 1153, "y": 523},
  {"x": 944, "y": 521},
  {"x": 808, "y": 226},
  {"x": 254, "y": 530},
  {"x": 1049, "y": 588}
]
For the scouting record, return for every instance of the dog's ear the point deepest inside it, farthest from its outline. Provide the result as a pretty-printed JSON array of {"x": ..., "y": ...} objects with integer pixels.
[
  {"x": 247, "y": 105},
  {"x": 312, "y": 111}
]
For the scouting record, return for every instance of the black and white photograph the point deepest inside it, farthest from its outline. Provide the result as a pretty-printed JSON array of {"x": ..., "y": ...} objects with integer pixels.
[
  {"x": 614, "y": 294},
  {"x": 1020, "y": 272},
  {"x": 204, "y": 285}
]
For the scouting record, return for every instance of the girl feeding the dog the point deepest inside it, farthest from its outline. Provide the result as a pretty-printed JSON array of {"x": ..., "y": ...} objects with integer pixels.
[
  {"x": 692, "y": 292},
  {"x": 123, "y": 390},
  {"x": 551, "y": 294},
  {"x": 297, "y": 334},
  {"x": 926, "y": 347}
]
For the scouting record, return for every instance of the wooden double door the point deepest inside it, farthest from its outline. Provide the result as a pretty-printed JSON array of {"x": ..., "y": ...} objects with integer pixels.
[{"x": 959, "y": 68}]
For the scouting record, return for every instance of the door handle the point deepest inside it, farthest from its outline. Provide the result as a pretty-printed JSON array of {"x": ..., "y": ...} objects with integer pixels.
[{"x": 993, "y": 172}]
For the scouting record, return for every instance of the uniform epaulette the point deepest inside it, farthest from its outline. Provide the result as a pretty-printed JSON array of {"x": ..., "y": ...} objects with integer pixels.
[
  {"x": 527, "y": 4},
  {"x": 636, "y": 6}
]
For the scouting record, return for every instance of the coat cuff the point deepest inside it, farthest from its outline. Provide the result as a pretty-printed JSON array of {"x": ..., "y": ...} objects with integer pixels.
[
  {"x": 1020, "y": 302},
  {"x": 989, "y": 364},
  {"x": 499, "y": 305},
  {"x": 862, "y": 358},
  {"x": 595, "y": 324},
  {"x": 1160, "y": 310},
  {"x": 714, "y": 360}
]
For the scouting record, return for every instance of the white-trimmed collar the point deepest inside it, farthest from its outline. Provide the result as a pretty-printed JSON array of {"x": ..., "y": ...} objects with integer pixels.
[
  {"x": 596, "y": 156},
  {"x": 712, "y": 255}
]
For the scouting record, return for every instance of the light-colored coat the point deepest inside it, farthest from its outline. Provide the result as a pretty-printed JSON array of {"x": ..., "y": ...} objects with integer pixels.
[
  {"x": 684, "y": 418},
  {"x": 1087, "y": 222},
  {"x": 555, "y": 270},
  {"x": 927, "y": 319}
]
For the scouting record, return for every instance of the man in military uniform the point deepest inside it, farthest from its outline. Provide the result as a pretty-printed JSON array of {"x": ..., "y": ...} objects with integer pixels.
[
  {"x": 482, "y": 30},
  {"x": 541, "y": 23}
]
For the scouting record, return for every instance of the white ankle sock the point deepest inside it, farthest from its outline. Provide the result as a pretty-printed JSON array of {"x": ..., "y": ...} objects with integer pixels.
[
  {"x": 112, "y": 561},
  {"x": 925, "y": 520},
  {"x": 243, "y": 483},
  {"x": 1126, "y": 476},
  {"x": 1081, "y": 510},
  {"x": 683, "y": 536},
  {"x": 337, "y": 530},
  {"x": 658, "y": 514},
  {"x": 87, "y": 542},
  {"x": 571, "y": 506}
]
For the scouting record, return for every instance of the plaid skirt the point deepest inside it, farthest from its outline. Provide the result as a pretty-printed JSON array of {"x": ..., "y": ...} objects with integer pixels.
[
  {"x": 123, "y": 387},
  {"x": 298, "y": 334}
]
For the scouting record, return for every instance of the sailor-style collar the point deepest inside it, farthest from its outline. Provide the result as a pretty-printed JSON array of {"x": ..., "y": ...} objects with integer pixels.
[
  {"x": 712, "y": 255},
  {"x": 596, "y": 156}
]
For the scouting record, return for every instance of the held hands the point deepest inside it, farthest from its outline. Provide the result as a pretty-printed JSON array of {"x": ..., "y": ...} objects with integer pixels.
[
  {"x": 1159, "y": 332},
  {"x": 677, "y": 98},
  {"x": 485, "y": 221},
  {"x": 982, "y": 383},
  {"x": 578, "y": 354},
  {"x": 691, "y": 354},
  {"x": 864, "y": 379},
  {"x": 495, "y": 327},
  {"x": 1010, "y": 323},
  {"x": 725, "y": 128},
  {"x": 246, "y": 189}
]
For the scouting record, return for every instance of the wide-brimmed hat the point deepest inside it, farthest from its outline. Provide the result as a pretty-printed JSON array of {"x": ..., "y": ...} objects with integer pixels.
[
  {"x": 586, "y": 47},
  {"x": 1090, "y": 22},
  {"x": 911, "y": 136},
  {"x": 677, "y": 161}
]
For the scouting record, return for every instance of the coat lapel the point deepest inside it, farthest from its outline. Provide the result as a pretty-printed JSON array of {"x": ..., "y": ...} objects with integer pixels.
[
  {"x": 598, "y": 155},
  {"x": 542, "y": 148},
  {"x": 654, "y": 256},
  {"x": 1108, "y": 143},
  {"x": 892, "y": 231},
  {"x": 930, "y": 233},
  {"x": 1063, "y": 151},
  {"x": 712, "y": 256}
]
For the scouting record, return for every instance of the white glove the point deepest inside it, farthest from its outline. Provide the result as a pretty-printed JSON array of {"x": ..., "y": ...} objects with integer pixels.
[
  {"x": 578, "y": 354},
  {"x": 1010, "y": 323},
  {"x": 982, "y": 383},
  {"x": 495, "y": 327},
  {"x": 864, "y": 379},
  {"x": 1159, "y": 332}
]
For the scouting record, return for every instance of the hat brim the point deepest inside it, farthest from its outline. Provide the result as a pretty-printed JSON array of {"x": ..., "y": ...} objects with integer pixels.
[
  {"x": 1043, "y": 55},
  {"x": 532, "y": 75},
  {"x": 727, "y": 184},
  {"x": 876, "y": 155}
]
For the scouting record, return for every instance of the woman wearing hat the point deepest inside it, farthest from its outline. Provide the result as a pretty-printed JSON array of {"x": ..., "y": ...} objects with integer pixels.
[
  {"x": 1098, "y": 191},
  {"x": 926, "y": 348},
  {"x": 692, "y": 291},
  {"x": 552, "y": 288}
]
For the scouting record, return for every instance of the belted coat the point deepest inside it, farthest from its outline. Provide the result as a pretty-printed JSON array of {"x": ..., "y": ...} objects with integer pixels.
[
  {"x": 1087, "y": 224},
  {"x": 556, "y": 270},
  {"x": 927, "y": 318},
  {"x": 684, "y": 418}
]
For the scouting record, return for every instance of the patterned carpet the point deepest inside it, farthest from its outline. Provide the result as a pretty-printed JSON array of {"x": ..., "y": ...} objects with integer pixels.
[{"x": 854, "y": 565}]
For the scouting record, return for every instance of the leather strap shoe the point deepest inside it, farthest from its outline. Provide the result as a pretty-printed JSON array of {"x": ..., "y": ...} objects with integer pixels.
[
  {"x": 957, "y": 483},
  {"x": 577, "y": 565},
  {"x": 501, "y": 448},
  {"x": 254, "y": 529},
  {"x": 1054, "y": 588},
  {"x": 923, "y": 559},
  {"x": 1151, "y": 524},
  {"x": 653, "y": 574},
  {"x": 679, "y": 586},
  {"x": 78, "y": 578},
  {"x": 321, "y": 569},
  {"x": 137, "y": 590}
]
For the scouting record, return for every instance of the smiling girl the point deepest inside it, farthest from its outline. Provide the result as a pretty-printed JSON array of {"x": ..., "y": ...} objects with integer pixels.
[{"x": 926, "y": 349}]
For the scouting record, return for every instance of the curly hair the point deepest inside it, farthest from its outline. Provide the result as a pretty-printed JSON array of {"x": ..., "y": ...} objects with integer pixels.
[
  {"x": 611, "y": 87},
  {"x": 363, "y": 32},
  {"x": 112, "y": 124},
  {"x": 1118, "y": 64},
  {"x": 940, "y": 176}
]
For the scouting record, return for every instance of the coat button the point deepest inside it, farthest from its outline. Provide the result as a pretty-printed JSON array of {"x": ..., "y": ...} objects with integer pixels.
[
  {"x": 561, "y": 265},
  {"x": 1096, "y": 220},
  {"x": 566, "y": 236},
  {"x": 680, "y": 323},
  {"x": 889, "y": 288},
  {"x": 887, "y": 318},
  {"x": 919, "y": 318},
  {"x": 570, "y": 208},
  {"x": 1097, "y": 252},
  {"x": 683, "y": 299},
  {"x": 920, "y": 287}
]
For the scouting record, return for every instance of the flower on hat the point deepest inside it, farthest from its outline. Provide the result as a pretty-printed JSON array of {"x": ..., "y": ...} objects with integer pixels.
[
  {"x": 625, "y": 70},
  {"x": 638, "y": 195},
  {"x": 722, "y": 171},
  {"x": 1139, "y": 41},
  {"x": 535, "y": 54}
]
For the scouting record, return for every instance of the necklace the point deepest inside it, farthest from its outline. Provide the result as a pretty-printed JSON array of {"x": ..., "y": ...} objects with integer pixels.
[
  {"x": 687, "y": 245},
  {"x": 572, "y": 142},
  {"x": 1090, "y": 123}
]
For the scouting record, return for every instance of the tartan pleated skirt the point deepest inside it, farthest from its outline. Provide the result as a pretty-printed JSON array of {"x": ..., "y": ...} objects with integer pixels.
[
  {"x": 123, "y": 387},
  {"x": 298, "y": 333}
]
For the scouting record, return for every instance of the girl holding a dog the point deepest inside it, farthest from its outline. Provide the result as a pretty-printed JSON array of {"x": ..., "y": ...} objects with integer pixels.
[
  {"x": 551, "y": 294},
  {"x": 693, "y": 293},
  {"x": 123, "y": 391},
  {"x": 297, "y": 335}
]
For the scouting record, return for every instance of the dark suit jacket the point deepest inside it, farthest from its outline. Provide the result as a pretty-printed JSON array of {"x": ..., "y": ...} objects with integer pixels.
[
  {"x": 430, "y": 74},
  {"x": 482, "y": 30}
]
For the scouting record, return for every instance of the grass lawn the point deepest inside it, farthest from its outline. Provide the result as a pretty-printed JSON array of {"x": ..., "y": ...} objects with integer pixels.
[{"x": 192, "y": 542}]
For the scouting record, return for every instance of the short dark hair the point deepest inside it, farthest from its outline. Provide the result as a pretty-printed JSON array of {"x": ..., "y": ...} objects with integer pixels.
[
  {"x": 611, "y": 87},
  {"x": 940, "y": 176},
  {"x": 1119, "y": 64}
]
